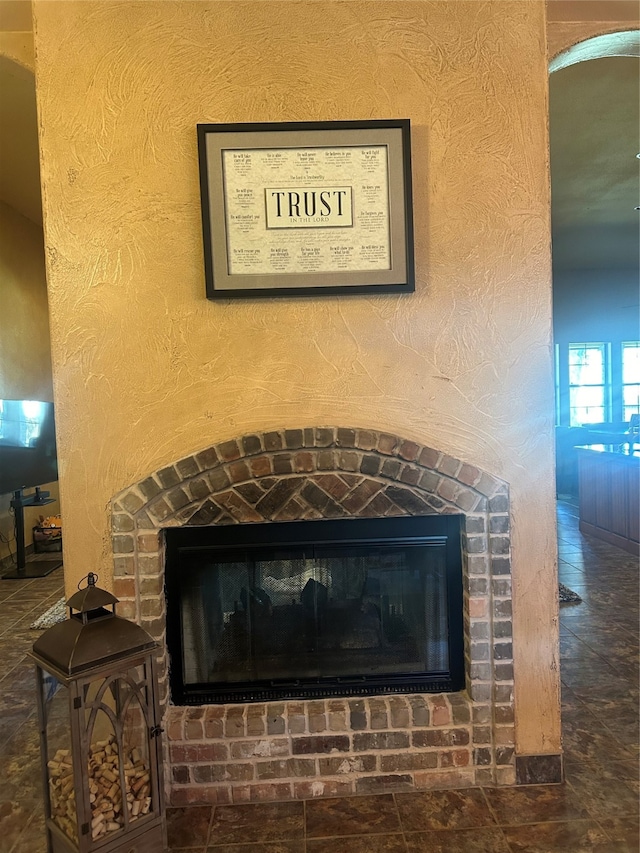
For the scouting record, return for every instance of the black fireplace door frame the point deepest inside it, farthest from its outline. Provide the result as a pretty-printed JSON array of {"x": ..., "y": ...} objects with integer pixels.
[{"x": 427, "y": 531}]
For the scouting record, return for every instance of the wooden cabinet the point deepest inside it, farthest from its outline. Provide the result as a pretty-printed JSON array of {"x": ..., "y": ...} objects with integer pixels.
[{"x": 609, "y": 500}]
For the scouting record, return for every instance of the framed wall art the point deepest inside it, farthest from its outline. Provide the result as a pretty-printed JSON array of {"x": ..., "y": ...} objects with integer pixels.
[{"x": 306, "y": 208}]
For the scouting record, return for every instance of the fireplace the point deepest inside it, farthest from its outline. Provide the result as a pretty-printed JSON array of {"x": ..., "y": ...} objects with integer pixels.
[
  {"x": 314, "y": 609},
  {"x": 247, "y": 750}
]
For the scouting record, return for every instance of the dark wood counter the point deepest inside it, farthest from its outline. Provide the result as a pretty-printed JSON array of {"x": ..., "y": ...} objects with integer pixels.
[{"x": 609, "y": 493}]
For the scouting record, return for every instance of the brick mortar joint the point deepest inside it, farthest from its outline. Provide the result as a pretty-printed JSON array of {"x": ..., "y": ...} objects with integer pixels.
[{"x": 500, "y": 488}]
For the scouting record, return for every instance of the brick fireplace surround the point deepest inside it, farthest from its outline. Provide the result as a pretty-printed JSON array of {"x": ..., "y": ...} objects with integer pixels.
[{"x": 301, "y": 749}]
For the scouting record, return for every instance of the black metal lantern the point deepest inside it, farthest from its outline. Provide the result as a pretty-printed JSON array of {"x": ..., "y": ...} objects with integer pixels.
[{"x": 99, "y": 731}]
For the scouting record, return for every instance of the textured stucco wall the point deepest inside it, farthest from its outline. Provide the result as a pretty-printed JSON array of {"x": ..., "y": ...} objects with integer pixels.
[
  {"x": 25, "y": 359},
  {"x": 147, "y": 371},
  {"x": 570, "y": 22}
]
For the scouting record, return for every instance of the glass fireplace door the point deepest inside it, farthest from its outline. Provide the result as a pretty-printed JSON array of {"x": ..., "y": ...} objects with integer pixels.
[{"x": 322, "y": 616}]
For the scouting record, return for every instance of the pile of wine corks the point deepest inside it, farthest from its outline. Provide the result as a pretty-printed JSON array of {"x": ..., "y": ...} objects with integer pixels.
[
  {"x": 105, "y": 794},
  {"x": 62, "y": 794}
]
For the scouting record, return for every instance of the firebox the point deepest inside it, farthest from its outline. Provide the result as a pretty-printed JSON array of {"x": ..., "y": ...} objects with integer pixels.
[{"x": 307, "y": 609}]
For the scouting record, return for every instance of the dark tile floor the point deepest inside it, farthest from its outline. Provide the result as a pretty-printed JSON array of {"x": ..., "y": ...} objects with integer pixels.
[{"x": 595, "y": 810}]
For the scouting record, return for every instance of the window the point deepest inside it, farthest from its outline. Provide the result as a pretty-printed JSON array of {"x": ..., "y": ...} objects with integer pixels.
[
  {"x": 588, "y": 387},
  {"x": 20, "y": 422},
  {"x": 630, "y": 379},
  {"x": 597, "y": 382}
]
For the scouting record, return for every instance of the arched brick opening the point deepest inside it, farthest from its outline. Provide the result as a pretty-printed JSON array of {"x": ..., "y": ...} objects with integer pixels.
[{"x": 243, "y": 753}]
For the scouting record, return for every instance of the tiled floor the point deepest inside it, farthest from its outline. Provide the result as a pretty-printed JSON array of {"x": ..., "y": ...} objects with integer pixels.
[{"x": 595, "y": 810}]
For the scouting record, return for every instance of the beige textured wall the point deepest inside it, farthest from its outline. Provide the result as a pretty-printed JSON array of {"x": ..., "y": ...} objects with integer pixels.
[
  {"x": 572, "y": 21},
  {"x": 25, "y": 361},
  {"x": 146, "y": 370}
]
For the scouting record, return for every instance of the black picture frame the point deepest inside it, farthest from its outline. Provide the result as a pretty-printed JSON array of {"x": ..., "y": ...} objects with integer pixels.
[{"x": 306, "y": 208}]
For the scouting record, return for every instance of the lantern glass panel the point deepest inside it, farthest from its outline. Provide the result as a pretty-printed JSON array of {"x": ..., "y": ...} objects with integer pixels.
[
  {"x": 118, "y": 719},
  {"x": 62, "y": 797},
  {"x": 136, "y": 750},
  {"x": 105, "y": 789}
]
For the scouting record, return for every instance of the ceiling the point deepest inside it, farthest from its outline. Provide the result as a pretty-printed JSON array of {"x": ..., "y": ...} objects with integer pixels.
[{"x": 594, "y": 123}]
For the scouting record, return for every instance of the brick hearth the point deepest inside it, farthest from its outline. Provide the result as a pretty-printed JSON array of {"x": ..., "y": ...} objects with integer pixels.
[{"x": 300, "y": 749}]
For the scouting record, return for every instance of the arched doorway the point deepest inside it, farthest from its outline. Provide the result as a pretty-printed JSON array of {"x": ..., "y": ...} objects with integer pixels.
[{"x": 594, "y": 93}]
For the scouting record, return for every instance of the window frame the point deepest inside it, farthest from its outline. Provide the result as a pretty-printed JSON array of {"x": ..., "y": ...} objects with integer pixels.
[{"x": 613, "y": 397}]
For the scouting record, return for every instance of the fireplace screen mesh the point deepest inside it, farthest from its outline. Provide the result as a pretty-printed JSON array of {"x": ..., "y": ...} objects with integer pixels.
[{"x": 331, "y": 614}]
